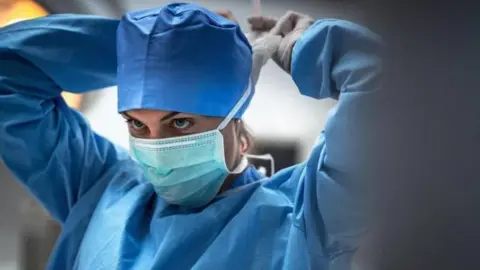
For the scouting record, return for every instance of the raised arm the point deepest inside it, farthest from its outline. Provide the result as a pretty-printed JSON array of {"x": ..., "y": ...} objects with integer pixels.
[
  {"x": 339, "y": 59},
  {"x": 332, "y": 59},
  {"x": 49, "y": 147}
]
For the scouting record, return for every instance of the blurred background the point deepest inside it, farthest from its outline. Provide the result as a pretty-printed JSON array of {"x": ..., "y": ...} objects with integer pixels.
[{"x": 286, "y": 130}]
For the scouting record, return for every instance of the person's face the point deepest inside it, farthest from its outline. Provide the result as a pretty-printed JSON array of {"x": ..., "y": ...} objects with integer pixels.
[{"x": 155, "y": 124}]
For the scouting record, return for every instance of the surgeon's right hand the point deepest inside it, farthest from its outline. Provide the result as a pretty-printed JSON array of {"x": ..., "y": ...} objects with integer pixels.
[{"x": 290, "y": 27}]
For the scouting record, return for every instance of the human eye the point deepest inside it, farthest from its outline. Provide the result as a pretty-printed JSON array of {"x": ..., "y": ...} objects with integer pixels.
[
  {"x": 136, "y": 127},
  {"x": 181, "y": 123},
  {"x": 135, "y": 124}
]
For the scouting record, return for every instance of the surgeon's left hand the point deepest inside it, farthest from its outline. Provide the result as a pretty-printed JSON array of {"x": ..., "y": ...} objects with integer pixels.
[
  {"x": 263, "y": 49},
  {"x": 290, "y": 27},
  {"x": 264, "y": 45}
]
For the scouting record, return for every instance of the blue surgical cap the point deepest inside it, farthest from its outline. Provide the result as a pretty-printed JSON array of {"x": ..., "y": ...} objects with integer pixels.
[{"x": 182, "y": 58}]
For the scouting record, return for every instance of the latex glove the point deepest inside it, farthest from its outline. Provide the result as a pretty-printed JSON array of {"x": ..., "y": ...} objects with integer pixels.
[
  {"x": 263, "y": 45},
  {"x": 290, "y": 27},
  {"x": 263, "y": 48}
]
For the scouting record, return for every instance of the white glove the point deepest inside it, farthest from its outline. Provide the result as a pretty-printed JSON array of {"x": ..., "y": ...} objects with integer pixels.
[
  {"x": 263, "y": 48},
  {"x": 290, "y": 27}
]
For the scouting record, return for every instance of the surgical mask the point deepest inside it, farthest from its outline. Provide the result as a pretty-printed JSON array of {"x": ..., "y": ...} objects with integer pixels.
[{"x": 188, "y": 170}]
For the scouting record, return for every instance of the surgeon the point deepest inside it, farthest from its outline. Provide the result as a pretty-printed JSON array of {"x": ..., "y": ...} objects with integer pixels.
[{"x": 184, "y": 196}]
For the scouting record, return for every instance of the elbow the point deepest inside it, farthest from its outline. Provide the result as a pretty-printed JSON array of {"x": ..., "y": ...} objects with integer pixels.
[{"x": 331, "y": 54}]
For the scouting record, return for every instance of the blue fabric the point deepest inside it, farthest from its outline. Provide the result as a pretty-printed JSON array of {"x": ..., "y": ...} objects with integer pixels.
[
  {"x": 247, "y": 177},
  {"x": 304, "y": 217},
  {"x": 182, "y": 58}
]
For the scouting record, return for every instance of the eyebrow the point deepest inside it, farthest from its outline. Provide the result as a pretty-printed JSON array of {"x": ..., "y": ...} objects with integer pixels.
[
  {"x": 126, "y": 115},
  {"x": 166, "y": 117}
]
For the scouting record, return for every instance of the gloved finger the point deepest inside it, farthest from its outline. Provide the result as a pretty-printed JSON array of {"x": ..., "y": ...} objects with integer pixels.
[
  {"x": 290, "y": 27},
  {"x": 266, "y": 45},
  {"x": 285, "y": 24},
  {"x": 263, "y": 49},
  {"x": 253, "y": 36},
  {"x": 261, "y": 23},
  {"x": 303, "y": 23}
]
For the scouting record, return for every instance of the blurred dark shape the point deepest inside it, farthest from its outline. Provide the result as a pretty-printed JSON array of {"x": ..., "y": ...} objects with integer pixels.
[
  {"x": 425, "y": 126},
  {"x": 284, "y": 153},
  {"x": 38, "y": 236}
]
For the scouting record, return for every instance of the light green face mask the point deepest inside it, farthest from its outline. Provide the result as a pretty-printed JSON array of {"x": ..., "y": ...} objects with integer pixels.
[{"x": 187, "y": 170}]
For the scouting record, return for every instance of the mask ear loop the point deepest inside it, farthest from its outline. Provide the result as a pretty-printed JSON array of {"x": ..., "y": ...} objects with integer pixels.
[
  {"x": 227, "y": 120},
  {"x": 237, "y": 106},
  {"x": 244, "y": 162},
  {"x": 240, "y": 167}
]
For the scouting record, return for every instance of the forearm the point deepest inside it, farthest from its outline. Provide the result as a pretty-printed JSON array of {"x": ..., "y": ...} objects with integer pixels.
[
  {"x": 334, "y": 57},
  {"x": 42, "y": 56}
]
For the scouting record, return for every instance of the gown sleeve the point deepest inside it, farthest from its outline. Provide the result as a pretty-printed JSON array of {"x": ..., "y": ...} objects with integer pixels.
[
  {"x": 49, "y": 147},
  {"x": 337, "y": 59}
]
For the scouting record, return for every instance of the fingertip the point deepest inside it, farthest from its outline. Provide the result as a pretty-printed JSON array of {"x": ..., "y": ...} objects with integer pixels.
[{"x": 293, "y": 14}]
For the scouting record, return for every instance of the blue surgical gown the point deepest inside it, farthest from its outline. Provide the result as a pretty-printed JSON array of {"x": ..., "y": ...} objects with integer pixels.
[{"x": 304, "y": 217}]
